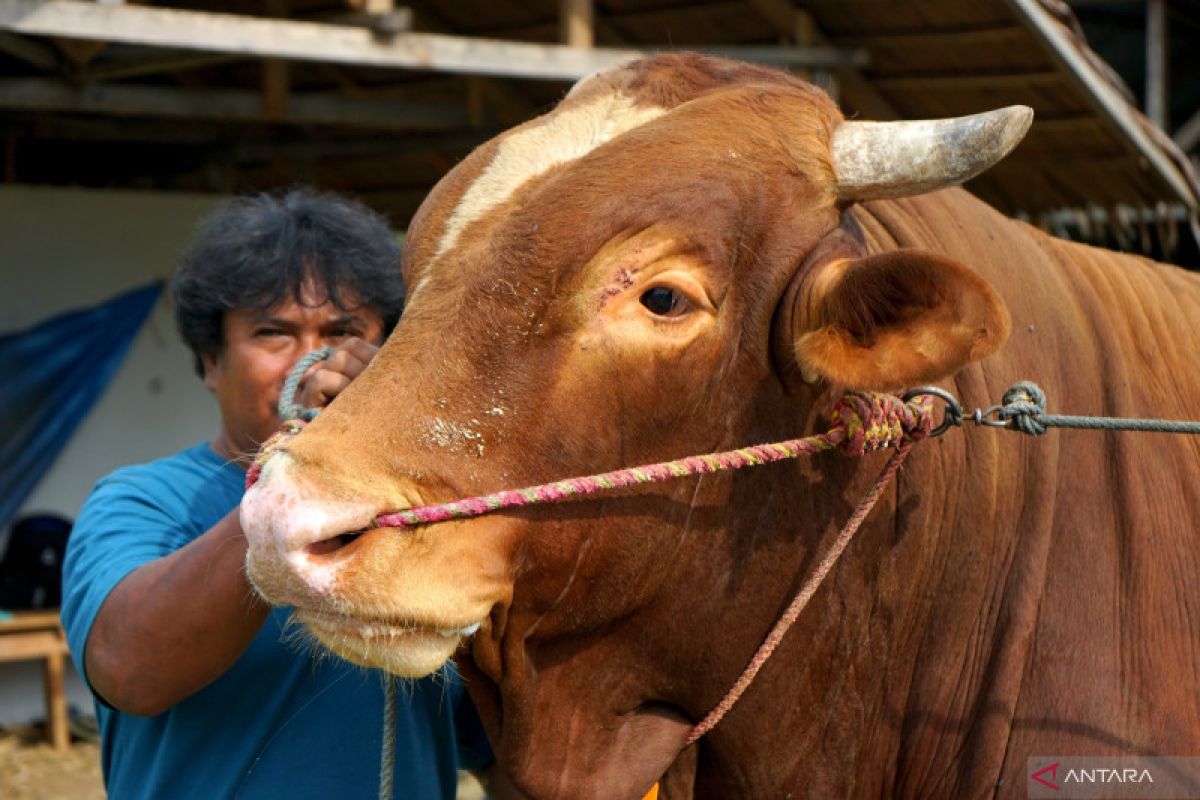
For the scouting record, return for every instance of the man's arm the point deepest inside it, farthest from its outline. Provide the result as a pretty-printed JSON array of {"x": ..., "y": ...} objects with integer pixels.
[{"x": 175, "y": 624}]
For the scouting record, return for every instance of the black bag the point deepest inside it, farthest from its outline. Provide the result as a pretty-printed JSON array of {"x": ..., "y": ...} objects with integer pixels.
[{"x": 31, "y": 569}]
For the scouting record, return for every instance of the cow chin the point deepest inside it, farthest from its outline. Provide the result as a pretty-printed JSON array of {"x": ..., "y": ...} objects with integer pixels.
[{"x": 407, "y": 651}]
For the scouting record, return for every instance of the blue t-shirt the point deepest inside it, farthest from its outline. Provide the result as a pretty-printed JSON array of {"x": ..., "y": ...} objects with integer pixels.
[{"x": 282, "y": 721}]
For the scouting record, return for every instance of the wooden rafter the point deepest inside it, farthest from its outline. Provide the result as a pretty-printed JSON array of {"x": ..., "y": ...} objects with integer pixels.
[
  {"x": 309, "y": 41},
  {"x": 1188, "y": 135},
  {"x": 1107, "y": 102},
  {"x": 302, "y": 41},
  {"x": 44, "y": 94},
  {"x": 858, "y": 90},
  {"x": 32, "y": 52},
  {"x": 577, "y": 23}
]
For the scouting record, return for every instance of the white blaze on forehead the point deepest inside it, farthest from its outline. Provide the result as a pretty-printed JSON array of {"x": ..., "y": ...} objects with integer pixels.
[{"x": 561, "y": 137}]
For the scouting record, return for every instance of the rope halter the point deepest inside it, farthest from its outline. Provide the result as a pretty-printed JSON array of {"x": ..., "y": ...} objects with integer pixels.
[{"x": 862, "y": 422}]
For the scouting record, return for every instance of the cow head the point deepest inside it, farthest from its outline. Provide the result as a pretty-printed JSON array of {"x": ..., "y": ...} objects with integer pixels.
[{"x": 656, "y": 268}]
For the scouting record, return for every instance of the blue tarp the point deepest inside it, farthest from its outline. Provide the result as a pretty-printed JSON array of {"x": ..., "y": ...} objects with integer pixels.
[{"x": 53, "y": 374}]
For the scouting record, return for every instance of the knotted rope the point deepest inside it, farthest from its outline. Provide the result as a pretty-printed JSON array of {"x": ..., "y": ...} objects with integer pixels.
[
  {"x": 288, "y": 408},
  {"x": 807, "y": 590},
  {"x": 862, "y": 422},
  {"x": 295, "y": 416},
  {"x": 1023, "y": 408}
]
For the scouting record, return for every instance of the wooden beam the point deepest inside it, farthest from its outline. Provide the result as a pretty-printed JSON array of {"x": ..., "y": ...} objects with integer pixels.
[
  {"x": 1188, "y": 135},
  {"x": 80, "y": 51},
  {"x": 303, "y": 41},
  {"x": 43, "y": 94},
  {"x": 276, "y": 82},
  {"x": 576, "y": 20},
  {"x": 1157, "y": 76},
  {"x": 816, "y": 57},
  {"x": 509, "y": 106},
  {"x": 32, "y": 52},
  {"x": 276, "y": 89},
  {"x": 958, "y": 80},
  {"x": 857, "y": 89},
  {"x": 176, "y": 62},
  {"x": 942, "y": 37},
  {"x": 1104, "y": 98}
]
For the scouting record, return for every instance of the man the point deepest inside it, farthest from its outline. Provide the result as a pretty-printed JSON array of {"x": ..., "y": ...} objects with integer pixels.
[{"x": 199, "y": 692}]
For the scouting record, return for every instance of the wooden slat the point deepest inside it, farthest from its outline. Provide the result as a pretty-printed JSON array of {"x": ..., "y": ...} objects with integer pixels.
[
  {"x": 576, "y": 20},
  {"x": 1157, "y": 105},
  {"x": 942, "y": 37},
  {"x": 971, "y": 82},
  {"x": 43, "y": 94},
  {"x": 857, "y": 89},
  {"x": 1188, "y": 135},
  {"x": 30, "y": 621},
  {"x": 175, "y": 62},
  {"x": 303, "y": 41},
  {"x": 1107, "y": 101},
  {"x": 57, "y": 726},
  {"x": 32, "y": 52},
  {"x": 30, "y": 644}
]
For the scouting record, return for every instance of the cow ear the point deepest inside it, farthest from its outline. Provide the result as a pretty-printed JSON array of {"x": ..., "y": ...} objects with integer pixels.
[{"x": 895, "y": 319}]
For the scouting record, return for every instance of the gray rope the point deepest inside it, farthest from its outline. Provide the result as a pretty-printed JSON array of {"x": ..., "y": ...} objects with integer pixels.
[
  {"x": 288, "y": 407},
  {"x": 1023, "y": 408},
  {"x": 387, "y": 753}
]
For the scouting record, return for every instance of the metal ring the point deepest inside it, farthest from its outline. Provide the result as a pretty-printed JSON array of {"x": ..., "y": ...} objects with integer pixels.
[{"x": 954, "y": 411}]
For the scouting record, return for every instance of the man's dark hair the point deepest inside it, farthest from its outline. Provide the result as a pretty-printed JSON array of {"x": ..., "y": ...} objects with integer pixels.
[{"x": 256, "y": 251}]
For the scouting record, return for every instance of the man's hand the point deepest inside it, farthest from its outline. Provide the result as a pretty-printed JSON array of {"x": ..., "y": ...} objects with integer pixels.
[{"x": 328, "y": 378}]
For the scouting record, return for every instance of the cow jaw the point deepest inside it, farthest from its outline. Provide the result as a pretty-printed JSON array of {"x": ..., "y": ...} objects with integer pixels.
[{"x": 362, "y": 594}]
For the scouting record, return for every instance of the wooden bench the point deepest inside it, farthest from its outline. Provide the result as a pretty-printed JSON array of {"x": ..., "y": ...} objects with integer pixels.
[{"x": 32, "y": 635}]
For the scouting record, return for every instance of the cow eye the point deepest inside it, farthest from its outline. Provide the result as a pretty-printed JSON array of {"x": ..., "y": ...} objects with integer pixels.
[{"x": 661, "y": 300}]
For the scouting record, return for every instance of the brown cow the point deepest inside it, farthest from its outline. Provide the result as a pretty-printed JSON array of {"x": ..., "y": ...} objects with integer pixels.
[{"x": 676, "y": 261}]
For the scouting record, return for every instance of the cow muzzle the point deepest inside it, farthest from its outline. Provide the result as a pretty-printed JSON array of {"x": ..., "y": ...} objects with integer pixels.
[{"x": 374, "y": 596}]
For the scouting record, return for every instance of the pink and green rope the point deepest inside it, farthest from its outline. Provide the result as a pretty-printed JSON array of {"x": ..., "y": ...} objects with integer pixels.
[{"x": 862, "y": 422}]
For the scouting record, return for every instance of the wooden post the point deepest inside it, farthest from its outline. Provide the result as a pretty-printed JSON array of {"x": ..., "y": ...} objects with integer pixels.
[
  {"x": 1187, "y": 136},
  {"x": 276, "y": 85},
  {"x": 806, "y": 36},
  {"x": 38, "y": 635},
  {"x": 276, "y": 82},
  {"x": 56, "y": 703},
  {"x": 576, "y": 23},
  {"x": 1157, "y": 77}
]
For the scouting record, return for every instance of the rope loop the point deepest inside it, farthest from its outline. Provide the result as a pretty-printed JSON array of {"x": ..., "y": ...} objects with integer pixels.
[
  {"x": 873, "y": 420},
  {"x": 1022, "y": 406},
  {"x": 288, "y": 408}
]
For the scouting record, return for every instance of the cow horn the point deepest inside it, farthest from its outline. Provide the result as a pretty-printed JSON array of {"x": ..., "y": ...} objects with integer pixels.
[{"x": 874, "y": 160}]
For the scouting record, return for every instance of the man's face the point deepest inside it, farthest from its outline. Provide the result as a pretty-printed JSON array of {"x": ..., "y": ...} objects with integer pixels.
[{"x": 261, "y": 347}]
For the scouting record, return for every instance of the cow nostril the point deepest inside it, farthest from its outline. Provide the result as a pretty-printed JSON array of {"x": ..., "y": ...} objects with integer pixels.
[{"x": 331, "y": 545}]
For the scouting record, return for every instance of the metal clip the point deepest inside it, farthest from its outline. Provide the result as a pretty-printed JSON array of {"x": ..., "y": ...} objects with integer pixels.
[{"x": 954, "y": 410}]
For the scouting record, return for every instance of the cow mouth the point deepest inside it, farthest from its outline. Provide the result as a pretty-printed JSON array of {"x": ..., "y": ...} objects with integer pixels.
[{"x": 375, "y": 629}]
